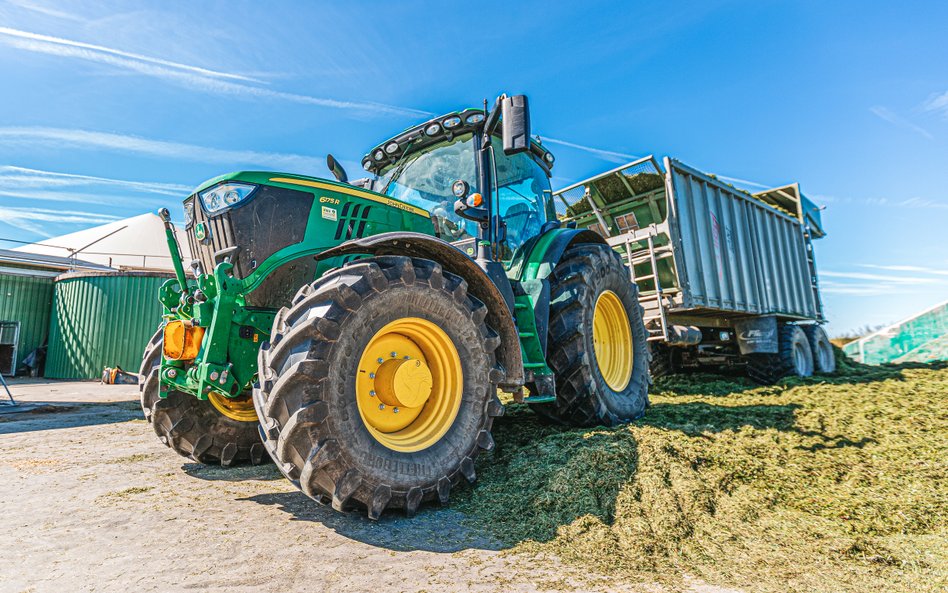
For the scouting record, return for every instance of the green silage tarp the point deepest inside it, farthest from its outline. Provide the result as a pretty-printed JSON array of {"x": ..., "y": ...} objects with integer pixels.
[{"x": 922, "y": 338}]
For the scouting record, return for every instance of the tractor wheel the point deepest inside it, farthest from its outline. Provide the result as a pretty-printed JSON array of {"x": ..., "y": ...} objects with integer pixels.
[
  {"x": 216, "y": 430},
  {"x": 793, "y": 357},
  {"x": 824, "y": 359},
  {"x": 378, "y": 387},
  {"x": 597, "y": 344}
]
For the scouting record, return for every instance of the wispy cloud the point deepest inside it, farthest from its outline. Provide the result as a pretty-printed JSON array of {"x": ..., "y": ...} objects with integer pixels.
[
  {"x": 896, "y": 119},
  {"x": 887, "y": 278},
  {"x": 194, "y": 77},
  {"x": 937, "y": 103},
  {"x": 30, "y": 219},
  {"x": 59, "y": 137},
  {"x": 607, "y": 155},
  {"x": 738, "y": 181},
  {"x": 90, "y": 50},
  {"x": 46, "y": 10},
  {"x": 907, "y": 268},
  {"x": 19, "y": 178}
]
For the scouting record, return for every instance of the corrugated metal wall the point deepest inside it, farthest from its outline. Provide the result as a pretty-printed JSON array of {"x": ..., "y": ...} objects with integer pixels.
[
  {"x": 26, "y": 299},
  {"x": 733, "y": 253},
  {"x": 101, "y": 320}
]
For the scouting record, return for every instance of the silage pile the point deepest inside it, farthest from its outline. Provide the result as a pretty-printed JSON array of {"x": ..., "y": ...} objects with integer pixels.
[{"x": 826, "y": 484}]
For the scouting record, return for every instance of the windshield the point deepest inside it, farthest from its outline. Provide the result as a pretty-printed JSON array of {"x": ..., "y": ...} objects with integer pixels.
[{"x": 424, "y": 179}]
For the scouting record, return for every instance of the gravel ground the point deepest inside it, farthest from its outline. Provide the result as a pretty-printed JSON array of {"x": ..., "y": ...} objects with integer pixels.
[{"x": 93, "y": 502}]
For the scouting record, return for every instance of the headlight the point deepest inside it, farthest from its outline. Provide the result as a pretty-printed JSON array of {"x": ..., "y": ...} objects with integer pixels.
[
  {"x": 224, "y": 195},
  {"x": 188, "y": 212}
]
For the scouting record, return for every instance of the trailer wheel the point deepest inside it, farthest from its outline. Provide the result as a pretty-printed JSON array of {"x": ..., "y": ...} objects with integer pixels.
[
  {"x": 378, "y": 388},
  {"x": 665, "y": 360},
  {"x": 597, "y": 343},
  {"x": 793, "y": 357},
  {"x": 824, "y": 359},
  {"x": 214, "y": 431}
]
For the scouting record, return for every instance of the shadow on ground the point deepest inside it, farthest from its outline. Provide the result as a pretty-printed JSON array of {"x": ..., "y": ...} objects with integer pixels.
[
  {"x": 69, "y": 414},
  {"x": 433, "y": 529}
]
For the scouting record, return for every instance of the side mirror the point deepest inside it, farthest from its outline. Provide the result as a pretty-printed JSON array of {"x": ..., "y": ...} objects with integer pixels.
[
  {"x": 337, "y": 171},
  {"x": 516, "y": 124}
]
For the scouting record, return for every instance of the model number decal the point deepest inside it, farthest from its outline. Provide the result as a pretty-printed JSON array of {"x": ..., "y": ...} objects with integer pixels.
[{"x": 328, "y": 200}]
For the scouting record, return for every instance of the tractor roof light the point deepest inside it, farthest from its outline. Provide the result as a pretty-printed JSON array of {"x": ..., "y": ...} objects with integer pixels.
[
  {"x": 452, "y": 122},
  {"x": 391, "y": 147},
  {"x": 224, "y": 195},
  {"x": 475, "y": 118},
  {"x": 433, "y": 130}
]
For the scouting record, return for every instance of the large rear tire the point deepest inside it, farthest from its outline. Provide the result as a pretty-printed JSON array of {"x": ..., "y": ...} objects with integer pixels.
[
  {"x": 824, "y": 359},
  {"x": 334, "y": 415},
  {"x": 597, "y": 344},
  {"x": 197, "y": 429},
  {"x": 793, "y": 357}
]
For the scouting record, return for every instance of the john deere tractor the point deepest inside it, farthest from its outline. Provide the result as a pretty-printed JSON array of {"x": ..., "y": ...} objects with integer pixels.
[{"x": 357, "y": 332}]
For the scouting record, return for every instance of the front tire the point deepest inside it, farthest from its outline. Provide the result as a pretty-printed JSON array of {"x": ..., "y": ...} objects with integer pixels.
[
  {"x": 597, "y": 345},
  {"x": 335, "y": 416},
  {"x": 198, "y": 429}
]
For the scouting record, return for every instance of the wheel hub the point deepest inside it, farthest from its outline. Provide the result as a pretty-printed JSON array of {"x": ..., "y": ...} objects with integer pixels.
[
  {"x": 405, "y": 383},
  {"x": 409, "y": 384},
  {"x": 612, "y": 340}
]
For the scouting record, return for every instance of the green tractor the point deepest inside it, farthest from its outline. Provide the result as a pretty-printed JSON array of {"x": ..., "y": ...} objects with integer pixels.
[{"x": 358, "y": 332}]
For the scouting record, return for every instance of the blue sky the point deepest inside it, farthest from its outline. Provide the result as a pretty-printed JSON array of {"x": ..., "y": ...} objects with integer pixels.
[{"x": 111, "y": 109}]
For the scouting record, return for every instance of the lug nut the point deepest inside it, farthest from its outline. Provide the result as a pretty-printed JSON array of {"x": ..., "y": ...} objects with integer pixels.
[
  {"x": 372, "y": 393},
  {"x": 407, "y": 357},
  {"x": 394, "y": 354},
  {"x": 371, "y": 375},
  {"x": 381, "y": 406},
  {"x": 172, "y": 373},
  {"x": 380, "y": 361},
  {"x": 395, "y": 410}
]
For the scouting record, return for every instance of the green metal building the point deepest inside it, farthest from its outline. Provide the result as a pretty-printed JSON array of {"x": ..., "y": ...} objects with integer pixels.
[
  {"x": 101, "y": 319},
  {"x": 26, "y": 297}
]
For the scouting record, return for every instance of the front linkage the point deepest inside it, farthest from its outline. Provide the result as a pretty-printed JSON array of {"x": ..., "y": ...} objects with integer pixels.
[{"x": 211, "y": 338}]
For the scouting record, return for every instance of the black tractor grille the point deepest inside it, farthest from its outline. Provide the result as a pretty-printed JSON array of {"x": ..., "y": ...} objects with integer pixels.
[{"x": 249, "y": 233}]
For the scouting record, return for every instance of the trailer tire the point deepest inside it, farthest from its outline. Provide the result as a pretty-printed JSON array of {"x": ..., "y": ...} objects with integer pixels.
[
  {"x": 794, "y": 357},
  {"x": 191, "y": 427},
  {"x": 824, "y": 359},
  {"x": 318, "y": 415},
  {"x": 586, "y": 394},
  {"x": 665, "y": 360}
]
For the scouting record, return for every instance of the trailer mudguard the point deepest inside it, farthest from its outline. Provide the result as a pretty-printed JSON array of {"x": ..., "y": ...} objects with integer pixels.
[{"x": 456, "y": 262}]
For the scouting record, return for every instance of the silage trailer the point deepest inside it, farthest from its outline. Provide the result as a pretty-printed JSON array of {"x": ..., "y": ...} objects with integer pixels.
[{"x": 727, "y": 277}]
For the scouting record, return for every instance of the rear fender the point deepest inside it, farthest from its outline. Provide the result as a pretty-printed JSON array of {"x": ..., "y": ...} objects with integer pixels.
[{"x": 456, "y": 262}]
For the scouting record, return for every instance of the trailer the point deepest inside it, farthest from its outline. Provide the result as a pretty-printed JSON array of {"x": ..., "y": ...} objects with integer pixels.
[{"x": 727, "y": 278}]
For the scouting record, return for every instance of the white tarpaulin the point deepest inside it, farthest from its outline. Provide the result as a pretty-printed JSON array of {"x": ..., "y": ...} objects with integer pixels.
[{"x": 136, "y": 243}]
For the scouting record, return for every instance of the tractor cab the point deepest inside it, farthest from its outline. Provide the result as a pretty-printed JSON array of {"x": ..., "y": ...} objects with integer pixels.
[{"x": 423, "y": 165}]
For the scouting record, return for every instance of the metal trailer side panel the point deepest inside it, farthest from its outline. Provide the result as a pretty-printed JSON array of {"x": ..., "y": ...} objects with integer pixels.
[{"x": 734, "y": 253}]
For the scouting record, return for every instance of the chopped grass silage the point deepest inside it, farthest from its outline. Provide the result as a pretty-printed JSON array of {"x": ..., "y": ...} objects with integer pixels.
[{"x": 826, "y": 484}]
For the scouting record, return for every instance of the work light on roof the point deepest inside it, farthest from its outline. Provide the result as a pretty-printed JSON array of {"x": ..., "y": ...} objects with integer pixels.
[
  {"x": 452, "y": 122},
  {"x": 188, "y": 212},
  {"x": 379, "y": 155},
  {"x": 549, "y": 157},
  {"x": 391, "y": 147},
  {"x": 432, "y": 130},
  {"x": 475, "y": 119}
]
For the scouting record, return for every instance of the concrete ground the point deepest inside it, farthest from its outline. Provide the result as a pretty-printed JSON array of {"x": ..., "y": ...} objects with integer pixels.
[{"x": 92, "y": 501}]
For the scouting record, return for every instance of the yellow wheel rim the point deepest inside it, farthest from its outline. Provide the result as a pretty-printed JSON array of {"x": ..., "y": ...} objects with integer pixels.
[
  {"x": 236, "y": 408},
  {"x": 409, "y": 384},
  {"x": 612, "y": 340}
]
